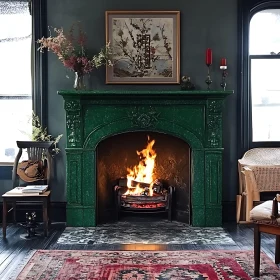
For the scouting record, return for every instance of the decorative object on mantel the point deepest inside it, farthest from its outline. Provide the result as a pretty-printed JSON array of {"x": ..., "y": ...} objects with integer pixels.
[
  {"x": 187, "y": 84},
  {"x": 223, "y": 67},
  {"x": 146, "y": 47},
  {"x": 72, "y": 53},
  {"x": 79, "y": 81},
  {"x": 208, "y": 80}
]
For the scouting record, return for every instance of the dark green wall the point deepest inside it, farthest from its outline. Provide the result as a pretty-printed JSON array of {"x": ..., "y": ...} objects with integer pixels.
[{"x": 204, "y": 24}]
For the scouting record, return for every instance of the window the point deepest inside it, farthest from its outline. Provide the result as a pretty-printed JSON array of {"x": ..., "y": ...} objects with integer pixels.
[
  {"x": 15, "y": 76},
  {"x": 264, "y": 63}
]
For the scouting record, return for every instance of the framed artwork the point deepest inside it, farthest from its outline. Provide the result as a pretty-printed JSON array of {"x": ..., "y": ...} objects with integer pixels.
[{"x": 145, "y": 46}]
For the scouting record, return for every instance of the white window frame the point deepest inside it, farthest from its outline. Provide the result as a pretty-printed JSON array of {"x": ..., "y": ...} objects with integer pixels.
[
  {"x": 9, "y": 96},
  {"x": 254, "y": 58}
]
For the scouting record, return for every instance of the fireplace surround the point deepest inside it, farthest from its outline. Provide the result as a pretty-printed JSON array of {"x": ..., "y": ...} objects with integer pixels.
[{"x": 193, "y": 116}]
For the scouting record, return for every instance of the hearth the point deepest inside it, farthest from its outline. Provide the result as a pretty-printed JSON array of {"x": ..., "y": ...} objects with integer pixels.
[{"x": 94, "y": 118}]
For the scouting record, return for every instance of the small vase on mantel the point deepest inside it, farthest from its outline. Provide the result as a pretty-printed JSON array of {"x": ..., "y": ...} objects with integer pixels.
[{"x": 79, "y": 81}]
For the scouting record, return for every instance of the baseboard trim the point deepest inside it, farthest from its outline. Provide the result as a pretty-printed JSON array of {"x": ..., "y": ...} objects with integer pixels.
[{"x": 58, "y": 212}]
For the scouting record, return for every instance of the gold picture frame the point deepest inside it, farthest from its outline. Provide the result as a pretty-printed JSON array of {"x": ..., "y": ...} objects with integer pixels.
[{"x": 145, "y": 46}]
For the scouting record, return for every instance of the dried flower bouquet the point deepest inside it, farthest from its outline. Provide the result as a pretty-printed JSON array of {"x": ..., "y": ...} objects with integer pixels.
[{"x": 71, "y": 51}]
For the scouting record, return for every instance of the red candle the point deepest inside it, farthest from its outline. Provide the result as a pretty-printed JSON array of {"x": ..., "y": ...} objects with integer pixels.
[
  {"x": 208, "y": 57},
  {"x": 223, "y": 62}
]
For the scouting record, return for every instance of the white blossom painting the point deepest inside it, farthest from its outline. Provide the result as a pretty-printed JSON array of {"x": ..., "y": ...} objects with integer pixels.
[{"x": 145, "y": 47}]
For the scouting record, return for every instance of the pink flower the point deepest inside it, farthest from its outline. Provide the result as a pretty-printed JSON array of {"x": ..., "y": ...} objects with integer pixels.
[{"x": 71, "y": 52}]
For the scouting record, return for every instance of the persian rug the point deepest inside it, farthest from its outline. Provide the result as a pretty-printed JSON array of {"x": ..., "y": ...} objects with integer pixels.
[
  {"x": 162, "y": 232},
  {"x": 145, "y": 265}
]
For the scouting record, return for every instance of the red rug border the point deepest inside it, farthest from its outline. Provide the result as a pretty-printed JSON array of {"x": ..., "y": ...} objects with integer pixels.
[
  {"x": 263, "y": 254},
  {"x": 20, "y": 269}
]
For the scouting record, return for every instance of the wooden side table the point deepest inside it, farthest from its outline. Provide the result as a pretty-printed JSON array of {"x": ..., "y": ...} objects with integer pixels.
[{"x": 44, "y": 198}]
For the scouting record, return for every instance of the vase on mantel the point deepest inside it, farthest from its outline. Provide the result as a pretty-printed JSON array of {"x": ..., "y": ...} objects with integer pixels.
[{"x": 79, "y": 81}]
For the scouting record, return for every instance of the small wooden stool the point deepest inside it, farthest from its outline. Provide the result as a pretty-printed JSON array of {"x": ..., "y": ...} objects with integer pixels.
[{"x": 13, "y": 199}]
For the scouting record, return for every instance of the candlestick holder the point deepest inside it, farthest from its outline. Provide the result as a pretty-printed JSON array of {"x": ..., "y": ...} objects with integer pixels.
[
  {"x": 208, "y": 80},
  {"x": 223, "y": 84}
]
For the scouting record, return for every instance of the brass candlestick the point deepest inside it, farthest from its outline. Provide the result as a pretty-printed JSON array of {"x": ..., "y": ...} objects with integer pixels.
[
  {"x": 208, "y": 80},
  {"x": 223, "y": 84}
]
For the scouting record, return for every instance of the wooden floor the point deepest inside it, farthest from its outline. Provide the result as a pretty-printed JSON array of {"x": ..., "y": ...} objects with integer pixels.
[{"x": 15, "y": 251}]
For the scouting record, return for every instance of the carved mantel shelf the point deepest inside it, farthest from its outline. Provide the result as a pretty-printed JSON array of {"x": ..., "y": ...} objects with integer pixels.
[
  {"x": 147, "y": 93},
  {"x": 194, "y": 116}
]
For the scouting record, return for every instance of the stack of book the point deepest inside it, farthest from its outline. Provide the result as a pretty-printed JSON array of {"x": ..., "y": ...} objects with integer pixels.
[
  {"x": 28, "y": 190},
  {"x": 35, "y": 188}
]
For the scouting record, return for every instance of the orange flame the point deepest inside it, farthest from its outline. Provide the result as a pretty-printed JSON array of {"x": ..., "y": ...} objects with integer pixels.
[{"x": 144, "y": 171}]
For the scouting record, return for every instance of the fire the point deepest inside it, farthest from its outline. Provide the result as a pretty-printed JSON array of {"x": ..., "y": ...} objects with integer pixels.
[{"x": 143, "y": 172}]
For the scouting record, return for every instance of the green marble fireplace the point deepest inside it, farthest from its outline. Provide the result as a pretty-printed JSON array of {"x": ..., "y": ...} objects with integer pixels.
[{"x": 193, "y": 116}]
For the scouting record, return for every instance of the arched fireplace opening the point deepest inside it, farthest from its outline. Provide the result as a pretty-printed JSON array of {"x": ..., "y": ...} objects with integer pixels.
[{"x": 114, "y": 155}]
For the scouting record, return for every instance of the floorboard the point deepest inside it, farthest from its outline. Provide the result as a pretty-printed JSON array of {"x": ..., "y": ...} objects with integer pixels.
[{"x": 15, "y": 251}]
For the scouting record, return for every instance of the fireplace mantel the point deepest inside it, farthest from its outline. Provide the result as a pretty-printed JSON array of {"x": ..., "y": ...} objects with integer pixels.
[{"x": 193, "y": 116}]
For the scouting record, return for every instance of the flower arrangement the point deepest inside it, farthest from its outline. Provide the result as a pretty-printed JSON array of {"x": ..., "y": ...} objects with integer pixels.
[
  {"x": 40, "y": 134},
  {"x": 71, "y": 51}
]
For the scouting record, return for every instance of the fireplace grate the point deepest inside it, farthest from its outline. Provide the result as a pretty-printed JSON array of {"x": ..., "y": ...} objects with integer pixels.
[{"x": 160, "y": 201}]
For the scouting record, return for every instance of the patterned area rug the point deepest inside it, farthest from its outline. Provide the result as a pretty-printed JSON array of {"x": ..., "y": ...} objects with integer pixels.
[
  {"x": 145, "y": 265},
  {"x": 145, "y": 233}
]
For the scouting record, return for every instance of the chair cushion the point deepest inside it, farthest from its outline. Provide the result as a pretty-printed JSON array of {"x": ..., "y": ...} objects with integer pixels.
[{"x": 262, "y": 212}]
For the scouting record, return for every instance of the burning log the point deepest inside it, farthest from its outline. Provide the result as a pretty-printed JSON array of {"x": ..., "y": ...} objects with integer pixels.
[
  {"x": 141, "y": 185},
  {"x": 156, "y": 187}
]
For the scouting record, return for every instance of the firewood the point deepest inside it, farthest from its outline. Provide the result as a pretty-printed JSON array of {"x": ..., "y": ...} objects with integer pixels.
[{"x": 141, "y": 185}]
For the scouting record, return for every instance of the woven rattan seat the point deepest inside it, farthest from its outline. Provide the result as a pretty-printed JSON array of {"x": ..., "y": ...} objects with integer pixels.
[{"x": 259, "y": 171}]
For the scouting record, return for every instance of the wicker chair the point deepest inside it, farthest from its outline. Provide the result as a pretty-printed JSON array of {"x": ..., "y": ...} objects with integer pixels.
[
  {"x": 266, "y": 217},
  {"x": 259, "y": 171}
]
